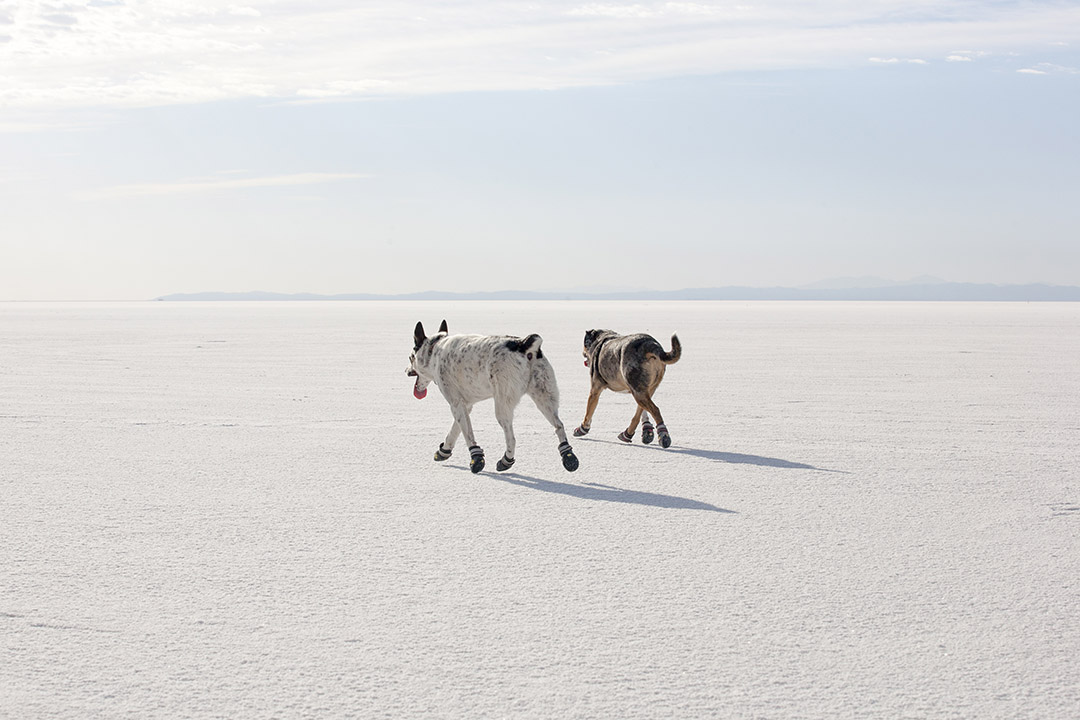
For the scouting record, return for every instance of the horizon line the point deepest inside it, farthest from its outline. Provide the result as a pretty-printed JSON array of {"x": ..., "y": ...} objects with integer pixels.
[{"x": 904, "y": 291}]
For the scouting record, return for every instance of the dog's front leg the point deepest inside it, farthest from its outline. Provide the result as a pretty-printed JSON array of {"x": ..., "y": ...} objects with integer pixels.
[
  {"x": 647, "y": 434},
  {"x": 627, "y": 435},
  {"x": 504, "y": 413},
  {"x": 461, "y": 416},
  {"x": 590, "y": 408},
  {"x": 447, "y": 446}
]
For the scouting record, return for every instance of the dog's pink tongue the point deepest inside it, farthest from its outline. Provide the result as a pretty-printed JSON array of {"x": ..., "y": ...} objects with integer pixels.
[{"x": 417, "y": 392}]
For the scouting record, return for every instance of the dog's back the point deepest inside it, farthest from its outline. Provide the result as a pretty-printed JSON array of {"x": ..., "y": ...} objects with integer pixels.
[
  {"x": 641, "y": 345},
  {"x": 477, "y": 367}
]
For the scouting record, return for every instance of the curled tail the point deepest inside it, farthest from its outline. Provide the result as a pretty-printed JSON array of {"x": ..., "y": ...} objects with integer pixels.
[{"x": 676, "y": 351}]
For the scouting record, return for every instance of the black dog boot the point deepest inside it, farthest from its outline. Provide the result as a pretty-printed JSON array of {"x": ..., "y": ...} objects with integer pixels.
[
  {"x": 569, "y": 459},
  {"x": 477, "y": 462},
  {"x": 646, "y": 432},
  {"x": 626, "y": 437},
  {"x": 581, "y": 431},
  {"x": 442, "y": 453},
  {"x": 504, "y": 463},
  {"x": 665, "y": 439}
]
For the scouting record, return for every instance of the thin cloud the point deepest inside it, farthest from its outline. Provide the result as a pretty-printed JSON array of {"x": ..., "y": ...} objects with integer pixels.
[
  {"x": 107, "y": 54},
  {"x": 42, "y": 125},
  {"x": 60, "y": 19},
  {"x": 895, "y": 61},
  {"x": 213, "y": 185},
  {"x": 613, "y": 10},
  {"x": 1049, "y": 68}
]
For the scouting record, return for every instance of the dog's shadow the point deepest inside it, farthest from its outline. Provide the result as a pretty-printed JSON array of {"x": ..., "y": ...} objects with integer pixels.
[
  {"x": 608, "y": 493},
  {"x": 725, "y": 457},
  {"x": 741, "y": 459}
]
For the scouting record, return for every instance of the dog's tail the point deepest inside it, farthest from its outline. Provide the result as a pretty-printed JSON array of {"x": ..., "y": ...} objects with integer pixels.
[
  {"x": 676, "y": 351},
  {"x": 528, "y": 346}
]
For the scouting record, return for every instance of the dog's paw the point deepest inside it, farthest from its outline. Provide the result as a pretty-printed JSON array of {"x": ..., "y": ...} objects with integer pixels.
[
  {"x": 626, "y": 437},
  {"x": 569, "y": 459},
  {"x": 477, "y": 462},
  {"x": 581, "y": 431},
  {"x": 665, "y": 438},
  {"x": 442, "y": 453},
  {"x": 646, "y": 432},
  {"x": 504, "y": 463}
]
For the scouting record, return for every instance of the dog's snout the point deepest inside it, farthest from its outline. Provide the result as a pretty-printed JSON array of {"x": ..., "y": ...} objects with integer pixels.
[{"x": 410, "y": 372}]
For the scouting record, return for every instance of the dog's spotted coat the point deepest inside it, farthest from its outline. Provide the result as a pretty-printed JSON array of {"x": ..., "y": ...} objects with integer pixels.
[{"x": 471, "y": 368}]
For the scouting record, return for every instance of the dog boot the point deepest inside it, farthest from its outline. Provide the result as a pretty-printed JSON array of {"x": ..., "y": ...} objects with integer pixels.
[
  {"x": 504, "y": 463},
  {"x": 442, "y": 453},
  {"x": 569, "y": 459},
  {"x": 646, "y": 432},
  {"x": 477, "y": 462},
  {"x": 626, "y": 437},
  {"x": 665, "y": 439},
  {"x": 581, "y": 431}
]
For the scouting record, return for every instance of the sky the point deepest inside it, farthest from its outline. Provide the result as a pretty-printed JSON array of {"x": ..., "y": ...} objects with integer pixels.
[{"x": 337, "y": 146}]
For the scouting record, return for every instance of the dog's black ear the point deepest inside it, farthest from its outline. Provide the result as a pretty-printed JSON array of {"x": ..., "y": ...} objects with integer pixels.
[
  {"x": 442, "y": 327},
  {"x": 418, "y": 335}
]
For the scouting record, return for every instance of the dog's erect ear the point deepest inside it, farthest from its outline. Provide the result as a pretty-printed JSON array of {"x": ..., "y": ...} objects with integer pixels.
[
  {"x": 442, "y": 327},
  {"x": 418, "y": 335}
]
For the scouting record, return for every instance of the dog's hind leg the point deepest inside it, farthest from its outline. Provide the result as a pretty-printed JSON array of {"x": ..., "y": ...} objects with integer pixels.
[
  {"x": 548, "y": 405},
  {"x": 647, "y": 403}
]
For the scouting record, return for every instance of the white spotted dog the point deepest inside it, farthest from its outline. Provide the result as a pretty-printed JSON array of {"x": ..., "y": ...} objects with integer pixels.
[
  {"x": 471, "y": 368},
  {"x": 633, "y": 364}
]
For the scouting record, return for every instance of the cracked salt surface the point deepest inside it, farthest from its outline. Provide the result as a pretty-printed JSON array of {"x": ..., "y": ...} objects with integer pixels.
[{"x": 231, "y": 510}]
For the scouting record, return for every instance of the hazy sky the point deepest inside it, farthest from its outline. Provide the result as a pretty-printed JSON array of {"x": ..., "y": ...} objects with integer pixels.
[{"x": 330, "y": 146}]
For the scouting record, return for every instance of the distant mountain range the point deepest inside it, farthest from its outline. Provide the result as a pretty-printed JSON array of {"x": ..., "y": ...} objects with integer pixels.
[{"x": 874, "y": 289}]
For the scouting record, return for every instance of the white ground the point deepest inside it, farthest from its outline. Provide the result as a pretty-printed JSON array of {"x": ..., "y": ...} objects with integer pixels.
[{"x": 231, "y": 510}]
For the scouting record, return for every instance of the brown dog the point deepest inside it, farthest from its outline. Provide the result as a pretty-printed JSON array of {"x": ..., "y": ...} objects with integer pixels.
[{"x": 633, "y": 364}]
